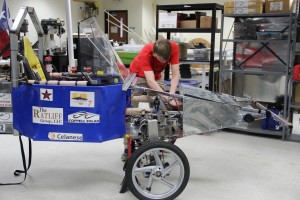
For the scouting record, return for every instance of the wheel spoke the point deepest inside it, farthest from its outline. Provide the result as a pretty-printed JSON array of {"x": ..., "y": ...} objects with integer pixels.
[
  {"x": 163, "y": 181},
  {"x": 144, "y": 169},
  {"x": 169, "y": 168},
  {"x": 150, "y": 182},
  {"x": 157, "y": 159}
]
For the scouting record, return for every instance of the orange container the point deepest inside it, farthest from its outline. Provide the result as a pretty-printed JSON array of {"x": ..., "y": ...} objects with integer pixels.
[{"x": 297, "y": 72}]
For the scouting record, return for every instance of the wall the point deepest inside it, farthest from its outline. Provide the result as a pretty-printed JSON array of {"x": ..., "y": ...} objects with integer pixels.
[{"x": 148, "y": 18}]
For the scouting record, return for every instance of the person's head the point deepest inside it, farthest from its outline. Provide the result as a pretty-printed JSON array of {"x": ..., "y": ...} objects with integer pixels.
[{"x": 162, "y": 50}]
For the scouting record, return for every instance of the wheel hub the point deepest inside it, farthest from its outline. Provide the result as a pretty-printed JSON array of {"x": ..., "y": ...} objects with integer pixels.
[{"x": 157, "y": 173}]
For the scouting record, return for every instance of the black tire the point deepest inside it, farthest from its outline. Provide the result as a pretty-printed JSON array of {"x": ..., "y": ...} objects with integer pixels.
[{"x": 161, "y": 176}]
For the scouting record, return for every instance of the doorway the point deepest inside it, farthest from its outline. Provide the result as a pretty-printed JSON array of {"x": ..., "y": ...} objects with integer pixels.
[{"x": 115, "y": 25}]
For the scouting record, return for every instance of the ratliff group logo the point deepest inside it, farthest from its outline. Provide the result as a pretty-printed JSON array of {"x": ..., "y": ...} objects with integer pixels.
[{"x": 45, "y": 115}]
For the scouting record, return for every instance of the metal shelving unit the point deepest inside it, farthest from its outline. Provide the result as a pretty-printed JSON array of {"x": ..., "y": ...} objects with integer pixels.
[
  {"x": 292, "y": 104},
  {"x": 213, "y": 7},
  {"x": 238, "y": 73}
]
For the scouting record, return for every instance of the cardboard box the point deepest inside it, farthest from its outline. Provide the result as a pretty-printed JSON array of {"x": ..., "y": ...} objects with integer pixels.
[
  {"x": 244, "y": 10},
  {"x": 198, "y": 15},
  {"x": 181, "y": 17},
  {"x": 274, "y": 6},
  {"x": 205, "y": 22},
  {"x": 167, "y": 20},
  {"x": 243, "y": 4},
  {"x": 188, "y": 24}
]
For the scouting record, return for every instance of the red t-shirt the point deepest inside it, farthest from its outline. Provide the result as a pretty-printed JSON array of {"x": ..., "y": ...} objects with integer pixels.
[{"x": 145, "y": 61}]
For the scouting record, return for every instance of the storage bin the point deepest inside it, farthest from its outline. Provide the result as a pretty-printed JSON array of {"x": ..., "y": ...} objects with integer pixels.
[
  {"x": 270, "y": 35},
  {"x": 127, "y": 57}
]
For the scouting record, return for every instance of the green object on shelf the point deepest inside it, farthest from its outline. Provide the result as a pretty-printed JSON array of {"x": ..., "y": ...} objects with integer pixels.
[{"x": 127, "y": 57}]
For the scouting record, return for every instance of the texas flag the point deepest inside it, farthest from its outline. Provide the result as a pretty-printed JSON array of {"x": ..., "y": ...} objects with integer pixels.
[{"x": 5, "y": 25}]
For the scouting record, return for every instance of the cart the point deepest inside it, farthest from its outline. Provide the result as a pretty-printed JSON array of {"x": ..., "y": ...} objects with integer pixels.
[{"x": 94, "y": 107}]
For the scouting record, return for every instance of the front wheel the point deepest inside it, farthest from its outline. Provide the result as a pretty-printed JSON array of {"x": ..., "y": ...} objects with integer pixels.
[{"x": 157, "y": 170}]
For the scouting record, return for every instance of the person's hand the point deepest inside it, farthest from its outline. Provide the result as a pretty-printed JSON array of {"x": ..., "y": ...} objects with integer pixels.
[
  {"x": 165, "y": 98},
  {"x": 174, "y": 102}
]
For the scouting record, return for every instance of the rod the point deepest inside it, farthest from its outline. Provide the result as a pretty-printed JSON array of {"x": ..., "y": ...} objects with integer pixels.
[
  {"x": 70, "y": 37},
  {"x": 78, "y": 47},
  {"x": 129, "y": 30},
  {"x": 159, "y": 92}
]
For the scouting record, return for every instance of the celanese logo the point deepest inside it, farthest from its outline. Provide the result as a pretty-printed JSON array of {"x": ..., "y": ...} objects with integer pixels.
[
  {"x": 51, "y": 136},
  {"x": 65, "y": 136}
]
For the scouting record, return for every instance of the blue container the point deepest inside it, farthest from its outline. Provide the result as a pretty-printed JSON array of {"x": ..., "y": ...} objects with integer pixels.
[
  {"x": 270, "y": 123},
  {"x": 69, "y": 113}
]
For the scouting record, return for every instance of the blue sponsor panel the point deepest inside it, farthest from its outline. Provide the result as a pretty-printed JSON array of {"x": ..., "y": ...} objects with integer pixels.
[{"x": 69, "y": 113}]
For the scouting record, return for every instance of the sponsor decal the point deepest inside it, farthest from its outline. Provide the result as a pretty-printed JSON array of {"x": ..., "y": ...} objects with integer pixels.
[
  {"x": 45, "y": 115},
  {"x": 83, "y": 117},
  {"x": 65, "y": 136},
  {"x": 6, "y": 118},
  {"x": 2, "y": 128},
  {"x": 46, "y": 94},
  {"x": 82, "y": 99},
  {"x": 5, "y": 100}
]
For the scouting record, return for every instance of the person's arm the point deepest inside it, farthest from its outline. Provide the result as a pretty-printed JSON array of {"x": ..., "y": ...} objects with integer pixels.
[
  {"x": 174, "y": 60},
  {"x": 174, "y": 83},
  {"x": 175, "y": 78},
  {"x": 151, "y": 81}
]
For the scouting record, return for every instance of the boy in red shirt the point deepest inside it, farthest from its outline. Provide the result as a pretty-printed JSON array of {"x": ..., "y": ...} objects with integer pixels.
[
  {"x": 153, "y": 59},
  {"x": 149, "y": 64}
]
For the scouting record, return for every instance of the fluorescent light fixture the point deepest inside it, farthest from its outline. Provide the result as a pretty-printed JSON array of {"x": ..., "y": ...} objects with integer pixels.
[{"x": 186, "y": 6}]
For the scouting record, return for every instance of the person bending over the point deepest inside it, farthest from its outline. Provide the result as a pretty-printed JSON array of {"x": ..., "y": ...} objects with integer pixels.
[
  {"x": 153, "y": 59},
  {"x": 149, "y": 64}
]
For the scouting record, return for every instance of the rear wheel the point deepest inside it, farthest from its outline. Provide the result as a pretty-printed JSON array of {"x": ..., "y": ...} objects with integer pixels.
[{"x": 157, "y": 170}]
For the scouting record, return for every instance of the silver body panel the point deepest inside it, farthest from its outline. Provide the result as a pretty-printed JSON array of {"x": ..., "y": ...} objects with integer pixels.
[{"x": 205, "y": 111}]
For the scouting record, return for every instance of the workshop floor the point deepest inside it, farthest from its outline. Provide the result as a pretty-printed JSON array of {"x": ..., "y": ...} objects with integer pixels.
[{"x": 224, "y": 166}]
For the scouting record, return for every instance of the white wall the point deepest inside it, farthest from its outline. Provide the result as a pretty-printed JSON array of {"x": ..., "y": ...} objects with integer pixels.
[{"x": 148, "y": 17}]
